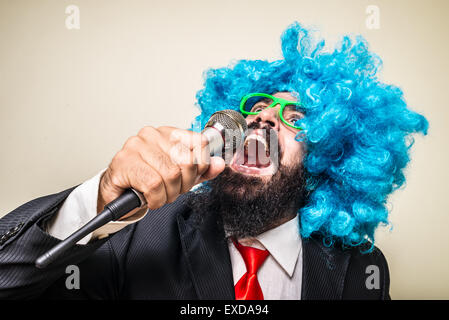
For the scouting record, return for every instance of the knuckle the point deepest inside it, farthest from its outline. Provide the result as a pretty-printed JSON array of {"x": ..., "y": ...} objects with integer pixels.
[
  {"x": 179, "y": 154},
  {"x": 174, "y": 174},
  {"x": 132, "y": 142},
  {"x": 190, "y": 166},
  {"x": 203, "y": 141},
  {"x": 114, "y": 180},
  {"x": 202, "y": 168},
  {"x": 119, "y": 159},
  {"x": 119, "y": 155},
  {"x": 147, "y": 131},
  {"x": 197, "y": 140},
  {"x": 155, "y": 184},
  {"x": 154, "y": 202}
]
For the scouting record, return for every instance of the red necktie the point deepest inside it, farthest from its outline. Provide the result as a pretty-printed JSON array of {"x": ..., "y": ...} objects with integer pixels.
[{"x": 248, "y": 287}]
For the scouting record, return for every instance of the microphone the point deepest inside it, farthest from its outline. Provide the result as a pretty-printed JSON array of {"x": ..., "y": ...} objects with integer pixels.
[{"x": 225, "y": 130}]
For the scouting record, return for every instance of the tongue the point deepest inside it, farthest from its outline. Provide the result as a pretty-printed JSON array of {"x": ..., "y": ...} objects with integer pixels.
[{"x": 255, "y": 155}]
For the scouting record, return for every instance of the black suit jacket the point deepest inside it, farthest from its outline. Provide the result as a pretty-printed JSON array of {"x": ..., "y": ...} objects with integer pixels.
[{"x": 166, "y": 255}]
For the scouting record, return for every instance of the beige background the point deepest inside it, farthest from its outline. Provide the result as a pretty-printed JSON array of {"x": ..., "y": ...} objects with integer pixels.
[{"x": 70, "y": 98}]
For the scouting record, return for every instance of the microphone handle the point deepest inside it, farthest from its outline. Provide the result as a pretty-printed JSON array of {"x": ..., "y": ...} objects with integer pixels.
[
  {"x": 114, "y": 210},
  {"x": 117, "y": 208}
]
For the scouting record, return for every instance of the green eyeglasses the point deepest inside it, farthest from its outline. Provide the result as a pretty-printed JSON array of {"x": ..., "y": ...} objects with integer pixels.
[{"x": 254, "y": 103}]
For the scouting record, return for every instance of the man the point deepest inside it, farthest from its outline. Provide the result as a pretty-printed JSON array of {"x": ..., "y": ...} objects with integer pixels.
[{"x": 291, "y": 216}]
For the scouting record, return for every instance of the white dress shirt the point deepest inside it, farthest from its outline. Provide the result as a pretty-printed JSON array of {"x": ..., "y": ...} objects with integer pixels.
[
  {"x": 79, "y": 208},
  {"x": 280, "y": 276}
]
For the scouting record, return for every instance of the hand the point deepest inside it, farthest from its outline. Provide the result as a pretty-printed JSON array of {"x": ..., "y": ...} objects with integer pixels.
[{"x": 162, "y": 163}]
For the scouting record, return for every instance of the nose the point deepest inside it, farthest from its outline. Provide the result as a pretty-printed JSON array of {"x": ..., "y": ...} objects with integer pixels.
[{"x": 269, "y": 116}]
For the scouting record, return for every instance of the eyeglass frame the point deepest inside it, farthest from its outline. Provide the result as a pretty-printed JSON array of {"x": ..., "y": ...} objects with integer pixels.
[{"x": 282, "y": 102}]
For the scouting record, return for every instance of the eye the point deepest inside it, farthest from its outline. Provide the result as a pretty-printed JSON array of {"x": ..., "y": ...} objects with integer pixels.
[
  {"x": 258, "y": 108},
  {"x": 293, "y": 119}
]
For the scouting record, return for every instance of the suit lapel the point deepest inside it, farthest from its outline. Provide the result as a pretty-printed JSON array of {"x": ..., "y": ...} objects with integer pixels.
[
  {"x": 209, "y": 264},
  {"x": 324, "y": 271},
  {"x": 207, "y": 256}
]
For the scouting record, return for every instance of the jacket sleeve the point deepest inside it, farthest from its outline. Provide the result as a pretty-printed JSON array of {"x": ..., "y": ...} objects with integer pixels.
[{"x": 23, "y": 239}]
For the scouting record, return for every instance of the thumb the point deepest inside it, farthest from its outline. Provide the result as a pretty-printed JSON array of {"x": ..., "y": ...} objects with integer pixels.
[
  {"x": 216, "y": 166},
  {"x": 107, "y": 191}
]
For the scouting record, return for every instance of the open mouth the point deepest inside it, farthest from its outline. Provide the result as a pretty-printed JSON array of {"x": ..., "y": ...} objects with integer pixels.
[{"x": 255, "y": 156}]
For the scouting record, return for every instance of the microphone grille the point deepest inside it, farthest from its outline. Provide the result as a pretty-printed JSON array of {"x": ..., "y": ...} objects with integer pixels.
[{"x": 229, "y": 120}]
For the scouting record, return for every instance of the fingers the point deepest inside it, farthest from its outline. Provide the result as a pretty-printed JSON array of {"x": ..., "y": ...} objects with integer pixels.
[
  {"x": 160, "y": 163},
  {"x": 150, "y": 183},
  {"x": 193, "y": 156},
  {"x": 170, "y": 172},
  {"x": 196, "y": 142},
  {"x": 188, "y": 138},
  {"x": 186, "y": 149},
  {"x": 217, "y": 165},
  {"x": 129, "y": 170},
  {"x": 185, "y": 160}
]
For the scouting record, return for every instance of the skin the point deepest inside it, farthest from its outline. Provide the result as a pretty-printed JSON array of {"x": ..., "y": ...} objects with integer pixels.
[
  {"x": 163, "y": 163},
  {"x": 286, "y": 135}
]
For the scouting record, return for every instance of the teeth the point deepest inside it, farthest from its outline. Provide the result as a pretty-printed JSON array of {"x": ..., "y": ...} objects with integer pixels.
[{"x": 257, "y": 137}]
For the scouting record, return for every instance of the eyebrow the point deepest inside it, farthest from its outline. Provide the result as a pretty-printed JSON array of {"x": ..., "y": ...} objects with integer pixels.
[
  {"x": 265, "y": 100},
  {"x": 293, "y": 107}
]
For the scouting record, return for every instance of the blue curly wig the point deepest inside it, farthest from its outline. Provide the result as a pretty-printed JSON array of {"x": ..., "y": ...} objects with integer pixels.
[{"x": 357, "y": 129}]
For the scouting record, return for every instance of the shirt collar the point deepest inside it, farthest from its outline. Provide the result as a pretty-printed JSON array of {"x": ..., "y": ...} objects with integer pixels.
[{"x": 283, "y": 243}]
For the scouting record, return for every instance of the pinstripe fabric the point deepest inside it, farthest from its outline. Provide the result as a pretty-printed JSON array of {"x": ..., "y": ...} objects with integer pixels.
[
  {"x": 31, "y": 211},
  {"x": 166, "y": 255},
  {"x": 19, "y": 278}
]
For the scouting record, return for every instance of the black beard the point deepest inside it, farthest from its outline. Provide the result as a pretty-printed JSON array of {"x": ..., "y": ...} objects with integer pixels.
[{"x": 250, "y": 205}]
